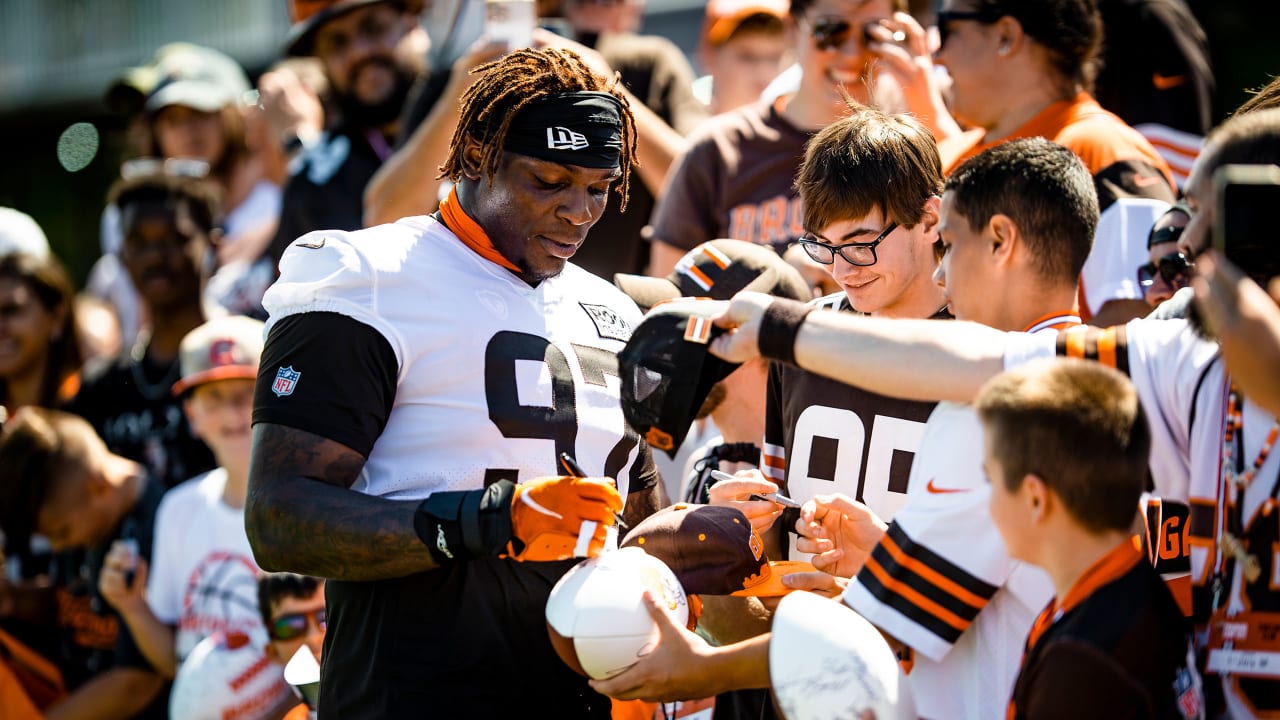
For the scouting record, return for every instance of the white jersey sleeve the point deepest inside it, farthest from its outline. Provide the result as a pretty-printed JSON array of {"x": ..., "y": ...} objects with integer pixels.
[{"x": 1168, "y": 364}]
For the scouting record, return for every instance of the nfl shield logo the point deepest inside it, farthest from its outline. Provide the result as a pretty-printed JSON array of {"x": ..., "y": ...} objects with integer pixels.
[{"x": 286, "y": 380}]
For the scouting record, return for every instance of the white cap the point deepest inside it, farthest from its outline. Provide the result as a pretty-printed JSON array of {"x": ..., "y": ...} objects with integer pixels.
[
  {"x": 827, "y": 662},
  {"x": 19, "y": 233}
]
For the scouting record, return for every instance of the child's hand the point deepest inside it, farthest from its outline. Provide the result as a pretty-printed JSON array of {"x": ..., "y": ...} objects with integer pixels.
[{"x": 119, "y": 567}]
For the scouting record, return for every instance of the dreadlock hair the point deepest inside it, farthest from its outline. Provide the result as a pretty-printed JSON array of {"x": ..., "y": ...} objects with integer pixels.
[{"x": 516, "y": 80}]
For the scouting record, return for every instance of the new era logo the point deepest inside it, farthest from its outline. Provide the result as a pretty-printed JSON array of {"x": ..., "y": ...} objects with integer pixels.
[{"x": 562, "y": 138}]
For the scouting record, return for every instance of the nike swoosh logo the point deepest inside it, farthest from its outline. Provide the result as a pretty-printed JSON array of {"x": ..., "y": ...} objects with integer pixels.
[
  {"x": 1167, "y": 82},
  {"x": 934, "y": 489},
  {"x": 1145, "y": 180}
]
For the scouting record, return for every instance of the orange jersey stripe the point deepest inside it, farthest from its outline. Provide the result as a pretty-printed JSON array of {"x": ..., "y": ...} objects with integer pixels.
[
  {"x": 933, "y": 576},
  {"x": 914, "y": 597}
]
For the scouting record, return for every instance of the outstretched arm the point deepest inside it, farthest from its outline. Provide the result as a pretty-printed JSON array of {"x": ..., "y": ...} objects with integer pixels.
[{"x": 913, "y": 359}]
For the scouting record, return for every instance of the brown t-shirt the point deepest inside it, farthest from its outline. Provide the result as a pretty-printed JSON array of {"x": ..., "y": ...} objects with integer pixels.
[{"x": 735, "y": 181}]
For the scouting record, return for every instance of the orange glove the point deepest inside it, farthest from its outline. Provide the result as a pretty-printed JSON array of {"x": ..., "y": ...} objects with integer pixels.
[{"x": 549, "y": 514}]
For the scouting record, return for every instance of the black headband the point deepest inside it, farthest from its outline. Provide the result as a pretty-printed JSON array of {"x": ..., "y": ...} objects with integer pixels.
[{"x": 573, "y": 128}]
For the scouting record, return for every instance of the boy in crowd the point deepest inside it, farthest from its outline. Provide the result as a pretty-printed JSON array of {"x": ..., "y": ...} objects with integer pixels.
[
  {"x": 1106, "y": 645},
  {"x": 292, "y": 608},
  {"x": 58, "y": 479},
  {"x": 202, "y": 576}
]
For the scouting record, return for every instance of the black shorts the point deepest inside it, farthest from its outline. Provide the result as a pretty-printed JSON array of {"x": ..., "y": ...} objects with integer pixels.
[{"x": 467, "y": 641}]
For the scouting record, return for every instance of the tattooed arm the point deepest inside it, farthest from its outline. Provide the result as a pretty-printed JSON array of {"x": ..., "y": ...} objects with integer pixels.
[{"x": 302, "y": 516}]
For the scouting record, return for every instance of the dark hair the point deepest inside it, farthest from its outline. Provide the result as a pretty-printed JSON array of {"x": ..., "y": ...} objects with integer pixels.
[
  {"x": 48, "y": 280},
  {"x": 1044, "y": 189},
  {"x": 1252, "y": 138},
  {"x": 507, "y": 85},
  {"x": 1069, "y": 30},
  {"x": 1078, "y": 426},
  {"x": 799, "y": 7},
  {"x": 201, "y": 196},
  {"x": 37, "y": 447},
  {"x": 868, "y": 160},
  {"x": 276, "y": 586}
]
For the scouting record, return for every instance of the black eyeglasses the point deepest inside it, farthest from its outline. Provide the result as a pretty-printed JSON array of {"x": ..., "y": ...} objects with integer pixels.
[
  {"x": 860, "y": 254},
  {"x": 294, "y": 625},
  {"x": 1164, "y": 235},
  {"x": 985, "y": 16},
  {"x": 1171, "y": 268}
]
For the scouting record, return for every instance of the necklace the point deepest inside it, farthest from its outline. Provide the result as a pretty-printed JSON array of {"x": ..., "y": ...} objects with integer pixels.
[{"x": 137, "y": 358}]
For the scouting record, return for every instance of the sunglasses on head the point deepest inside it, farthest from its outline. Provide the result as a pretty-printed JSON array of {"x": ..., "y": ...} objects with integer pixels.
[
  {"x": 294, "y": 625},
  {"x": 1171, "y": 268},
  {"x": 1164, "y": 235},
  {"x": 986, "y": 16}
]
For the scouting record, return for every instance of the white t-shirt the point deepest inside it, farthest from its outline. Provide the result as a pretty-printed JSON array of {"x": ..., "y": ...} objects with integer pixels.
[{"x": 203, "y": 578}]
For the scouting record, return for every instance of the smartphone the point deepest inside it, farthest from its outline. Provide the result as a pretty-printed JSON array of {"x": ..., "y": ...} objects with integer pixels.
[
  {"x": 1246, "y": 197},
  {"x": 510, "y": 22}
]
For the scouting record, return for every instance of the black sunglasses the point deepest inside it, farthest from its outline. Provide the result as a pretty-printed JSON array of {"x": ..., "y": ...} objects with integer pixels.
[
  {"x": 985, "y": 16},
  {"x": 1163, "y": 235},
  {"x": 860, "y": 254},
  {"x": 294, "y": 625},
  {"x": 1171, "y": 268},
  {"x": 830, "y": 33}
]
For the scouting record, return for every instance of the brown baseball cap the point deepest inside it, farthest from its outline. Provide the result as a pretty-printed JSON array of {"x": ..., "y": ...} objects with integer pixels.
[
  {"x": 719, "y": 269},
  {"x": 225, "y": 348},
  {"x": 713, "y": 550}
]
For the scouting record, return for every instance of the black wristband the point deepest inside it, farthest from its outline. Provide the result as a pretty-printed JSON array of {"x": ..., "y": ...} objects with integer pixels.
[
  {"x": 457, "y": 526},
  {"x": 778, "y": 328}
]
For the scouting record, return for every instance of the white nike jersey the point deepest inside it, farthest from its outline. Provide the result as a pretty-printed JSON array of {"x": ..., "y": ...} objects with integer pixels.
[
  {"x": 495, "y": 377},
  {"x": 942, "y": 582}
]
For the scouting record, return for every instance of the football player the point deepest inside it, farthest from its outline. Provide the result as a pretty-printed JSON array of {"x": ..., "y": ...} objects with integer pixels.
[{"x": 420, "y": 383}]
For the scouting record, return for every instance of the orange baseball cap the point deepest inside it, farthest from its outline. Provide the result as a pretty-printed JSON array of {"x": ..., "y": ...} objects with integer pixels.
[{"x": 724, "y": 16}]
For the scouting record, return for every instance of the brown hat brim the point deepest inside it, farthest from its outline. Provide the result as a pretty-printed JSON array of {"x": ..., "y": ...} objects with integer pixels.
[
  {"x": 299, "y": 41},
  {"x": 646, "y": 291}
]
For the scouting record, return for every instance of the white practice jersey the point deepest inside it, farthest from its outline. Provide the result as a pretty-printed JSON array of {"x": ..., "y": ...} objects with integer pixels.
[{"x": 494, "y": 378}]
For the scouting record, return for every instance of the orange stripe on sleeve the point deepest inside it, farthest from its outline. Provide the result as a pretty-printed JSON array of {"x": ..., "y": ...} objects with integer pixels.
[
  {"x": 1107, "y": 347},
  {"x": 914, "y": 597},
  {"x": 933, "y": 576}
]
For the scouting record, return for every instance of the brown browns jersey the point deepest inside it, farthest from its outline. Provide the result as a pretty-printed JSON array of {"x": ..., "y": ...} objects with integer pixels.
[
  {"x": 824, "y": 436},
  {"x": 734, "y": 180}
]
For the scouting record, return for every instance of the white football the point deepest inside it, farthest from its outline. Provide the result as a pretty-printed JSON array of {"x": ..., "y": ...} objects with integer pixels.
[
  {"x": 595, "y": 615},
  {"x": 826, "y": 662}
]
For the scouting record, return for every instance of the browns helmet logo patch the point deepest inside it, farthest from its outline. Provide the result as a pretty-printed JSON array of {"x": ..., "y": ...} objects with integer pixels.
[{"x": 609, "y": 324}]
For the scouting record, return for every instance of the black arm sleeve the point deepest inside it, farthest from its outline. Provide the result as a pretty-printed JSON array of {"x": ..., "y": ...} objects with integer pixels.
[{"x": 327, "y": 374}]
